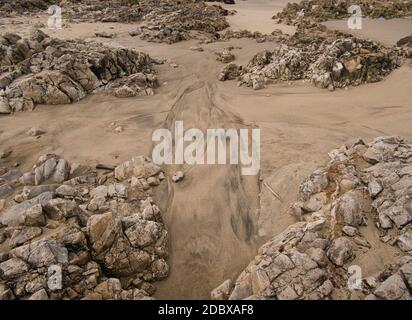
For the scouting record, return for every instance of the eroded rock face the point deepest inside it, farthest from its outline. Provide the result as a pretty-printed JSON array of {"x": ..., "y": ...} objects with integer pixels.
[
  {"x": 362, "y": 187},
  {"x": 102, "y": 230},
  {"x": 50, "y": 71}
]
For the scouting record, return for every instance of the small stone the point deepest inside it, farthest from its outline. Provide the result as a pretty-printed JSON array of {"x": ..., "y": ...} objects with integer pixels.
[
  {"x": 178, "y": 176},
  {"x": 34, "y": 132},
  {"x": 200, "y": 49},
  {"x": 350, "y": 231}
]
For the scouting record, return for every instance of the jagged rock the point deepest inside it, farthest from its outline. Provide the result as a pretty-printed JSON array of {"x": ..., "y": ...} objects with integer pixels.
[
  {"x": 343, "y": 62},
  {"x": 39, "y": 295},
  {"x": 29, "y": 212},
  {"x": 34, "y": 132},
  {"x": 350, "y": 207},
  {"x": 89, "y": 248},
  {"x": 143, "y": 233},
  {"x": 12, "y": 268},
  {"x": 102, "y": 230},
  {"x": 20, "y": 237},
  {"x": 226, "y": 56},
  {"x": 5, "y": 190},
  {"x": 41, "y": 253},
  {"x": 222, "y": 292},
  {"x": 58, "y": 209},
  {"x": 340, "y": 251},
  {"x": 308, "y": 11},
  {"x": 61, "y": 72},
  {"x": 404, "y": 241},
  {"x": 230, "y": 72},
  {"x": 393, "y": 288}
]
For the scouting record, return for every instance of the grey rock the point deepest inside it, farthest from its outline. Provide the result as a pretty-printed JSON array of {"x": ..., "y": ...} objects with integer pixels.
[
  {"x": 393, "y": 288},
  {"x": 340, "y": 251},
  {"x": 19, "y": 237},
  {"x": 35, "y": 132},
  {"x": 23, "y": 214},
  {"x": 58, "y": 208},
  {"x": 12, "y": 268},
  {"x": 41, "y": 253},
  {"x": 350, "y": 208},
  {"x": 39, "y": 295}
]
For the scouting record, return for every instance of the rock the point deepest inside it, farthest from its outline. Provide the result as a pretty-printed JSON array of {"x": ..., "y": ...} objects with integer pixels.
[
  {"x": 340, "y": 251},
  {"x": 62, "y": 171},
  {"x": 66, "y": 191},
  {"x": 200, "y": 49},
  {"x": 109, "y": 289},
  {"x": 20, "y": 237},
  {"x": 30, "y": 192},
  {"x": 406, "y": 272},
  {"x": 350, "y": 208},
  {"x": 34, "y": 132},
  {"x": 124, "y": 92},
  {"x": 226, "y": 56},
  {"x": 160, "y": 269},
  {"x": 374, "y": 188},
  {"x": 11, "y": 175},
  {"x": 102, "y": 230},
  {"x": 12, "y": 268},
  {"x": 117, "y": 190},
  {"x": 5, "y": 190},
  {"x": 350, "y": 231},
  {"x": 61, "y": 72},
  {"x": 222, "y": 292},
  {"x": 4, "y": 106},
  {"x": 105, "y": 35},
  {"x": 393, "y": 288},
  {"x": 5, "y": 153},
  {"x": 41, "y": 253},
  {"x": 143, "y": 233},
  {"x": 58, "y": 209},
  {"x": 230, "y": 72},
  {"x": 39, "y": 295},
  {"x": 5, "y": 292},
  {"x": 178, "y": 176},
  {"x": 405, "y": 41},
  {"x": 29, "y": 212},
  {"x": 404, "y": 241}
]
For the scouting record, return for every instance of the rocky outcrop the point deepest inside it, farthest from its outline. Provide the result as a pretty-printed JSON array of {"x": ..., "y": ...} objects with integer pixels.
[
  {"x": 162, "y": 21},
  {"x": 345, "y": 61},
  {"x": 50, "y": 71},
  {"x": 363, "y": 187},
  {"x": 322, "y": 10},
  {"x": 99, "y": 233}
]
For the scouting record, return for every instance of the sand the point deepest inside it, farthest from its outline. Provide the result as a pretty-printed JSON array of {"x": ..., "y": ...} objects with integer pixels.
[{"x": 213, "y": 216}]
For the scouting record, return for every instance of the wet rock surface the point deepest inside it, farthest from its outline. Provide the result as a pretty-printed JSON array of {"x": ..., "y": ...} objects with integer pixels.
[
  {"x": 101, "y": 231},
  {"x": 311, "y": 258},
  {"x": 44, "y": 70}
]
